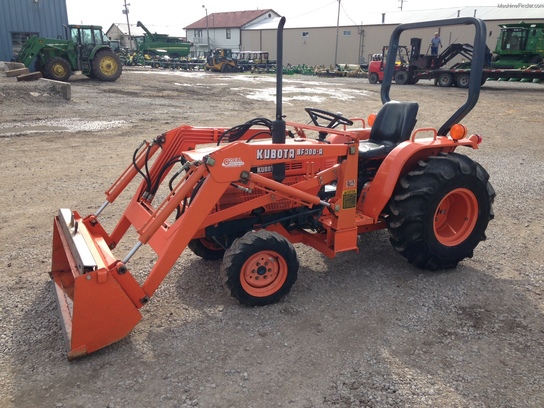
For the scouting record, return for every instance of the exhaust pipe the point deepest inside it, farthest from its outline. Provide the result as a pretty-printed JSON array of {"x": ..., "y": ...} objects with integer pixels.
[{"x": 278, "y": 126}]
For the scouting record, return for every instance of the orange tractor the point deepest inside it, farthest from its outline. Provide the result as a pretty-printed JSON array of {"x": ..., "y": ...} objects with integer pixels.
[{"x": 246, "y": 194}]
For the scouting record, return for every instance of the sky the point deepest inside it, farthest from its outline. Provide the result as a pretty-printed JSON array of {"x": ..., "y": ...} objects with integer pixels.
[{"x": 173, "y": 15}]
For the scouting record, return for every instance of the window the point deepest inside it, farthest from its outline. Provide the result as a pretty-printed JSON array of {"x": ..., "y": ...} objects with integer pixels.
[
  {"x": 514, "y": 39},
  {"x": 74, "y": 35},
  {"x": 305, "y": 34},
  {"x": 346, "y": 33},
  {"x": 98, "y": 37},
  {"x": 18, "y": 39},
  {"x": 86, "y": 36},
  {"x": 228, "y": 34},
  {"x": 198, "y": 33}
]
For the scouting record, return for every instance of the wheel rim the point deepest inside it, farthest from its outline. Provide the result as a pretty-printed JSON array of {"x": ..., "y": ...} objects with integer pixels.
[
  {"x": 445, "y": 79},
  {"x": 263, "y": 273},
  {"x": 108, "y": 66},
  {"x": 463, "y": 81},
  {"x": 455, "y": 217},
  {"x": 59, "y": 70}
]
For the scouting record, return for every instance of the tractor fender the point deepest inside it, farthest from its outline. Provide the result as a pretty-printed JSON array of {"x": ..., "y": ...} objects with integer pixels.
[
  {"x": 96, "y": 49},
  {"x": 399, "y": 162}
]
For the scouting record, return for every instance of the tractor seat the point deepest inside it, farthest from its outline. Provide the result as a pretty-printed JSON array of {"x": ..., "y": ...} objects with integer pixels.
[{"x": 394, "y": 124}]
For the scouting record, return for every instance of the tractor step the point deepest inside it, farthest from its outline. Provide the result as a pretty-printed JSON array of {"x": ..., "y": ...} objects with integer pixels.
[{"x": 86, "y": 65}]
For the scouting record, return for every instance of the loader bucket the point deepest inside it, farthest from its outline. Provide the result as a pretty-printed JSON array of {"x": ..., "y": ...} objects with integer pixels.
[{"x": 94, "y": 309}]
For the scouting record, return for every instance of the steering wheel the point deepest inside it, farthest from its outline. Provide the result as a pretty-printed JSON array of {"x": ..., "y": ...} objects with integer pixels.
[{"x": 334, "y": 119}]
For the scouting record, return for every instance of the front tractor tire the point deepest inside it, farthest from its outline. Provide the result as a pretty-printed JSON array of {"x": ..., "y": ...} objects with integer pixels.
[
  {"x": 259, "y": 268},
  {"x": 57, "y": 69},
  {"x": 106, "y": 66},
  {"x": 440, "y": 211}
]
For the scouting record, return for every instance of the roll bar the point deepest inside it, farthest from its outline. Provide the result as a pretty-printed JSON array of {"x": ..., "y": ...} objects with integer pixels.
[{"x": 477, "y": 64}]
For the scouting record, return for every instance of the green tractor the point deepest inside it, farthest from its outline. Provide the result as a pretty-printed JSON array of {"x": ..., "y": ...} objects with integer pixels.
[
  {"x": 87, "y": 50},
  {"x": 519, "y": 46}
]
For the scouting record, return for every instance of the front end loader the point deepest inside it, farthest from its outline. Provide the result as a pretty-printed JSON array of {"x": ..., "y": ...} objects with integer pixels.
[{"x": 246, "y": 194}]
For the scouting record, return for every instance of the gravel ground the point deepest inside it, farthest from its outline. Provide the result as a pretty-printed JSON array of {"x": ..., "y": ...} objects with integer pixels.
[{"x": 359, "y": 330}]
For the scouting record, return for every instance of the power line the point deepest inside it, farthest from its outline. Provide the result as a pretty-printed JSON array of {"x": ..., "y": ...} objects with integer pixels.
[{"x": 314, "y": 10}]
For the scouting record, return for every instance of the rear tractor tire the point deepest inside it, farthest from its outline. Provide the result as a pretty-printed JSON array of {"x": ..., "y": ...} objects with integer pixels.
[
  {"x": 259, "y": 268},
  {"x": 106, "y": 65},
  {"x": 440, "y": 211},
  {"x": 57, "y": 69}
]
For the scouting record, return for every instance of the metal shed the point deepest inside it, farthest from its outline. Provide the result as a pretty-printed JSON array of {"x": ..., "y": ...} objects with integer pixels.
[
  {"x": 316, "y": 41},
  {"x": 20, "y": 19}
]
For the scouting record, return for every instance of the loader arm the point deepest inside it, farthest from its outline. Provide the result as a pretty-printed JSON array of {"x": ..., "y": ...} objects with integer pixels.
[
  {"x": 85, "y": 269},
  {"x": 33, "y": 50}
]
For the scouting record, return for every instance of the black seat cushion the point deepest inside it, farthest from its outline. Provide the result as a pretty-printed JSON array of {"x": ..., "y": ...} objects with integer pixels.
[{"x": 394, "y": 124}]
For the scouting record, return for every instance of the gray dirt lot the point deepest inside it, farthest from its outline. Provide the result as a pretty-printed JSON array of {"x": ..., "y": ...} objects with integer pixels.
[{"x": 360, "y": 330}]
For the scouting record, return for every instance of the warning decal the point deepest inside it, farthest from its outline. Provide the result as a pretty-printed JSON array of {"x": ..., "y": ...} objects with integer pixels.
[{"x": 349, "y": 199}]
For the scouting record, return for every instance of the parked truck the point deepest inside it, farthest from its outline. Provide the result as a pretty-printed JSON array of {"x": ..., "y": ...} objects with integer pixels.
[
  {"x": 86, "y": 49},
  {"x": 518, "y": 55},
  {"x": 246, "y": 194}
]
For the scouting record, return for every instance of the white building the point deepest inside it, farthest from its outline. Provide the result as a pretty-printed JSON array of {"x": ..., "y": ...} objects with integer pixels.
[{"x": 224, "y": 30}]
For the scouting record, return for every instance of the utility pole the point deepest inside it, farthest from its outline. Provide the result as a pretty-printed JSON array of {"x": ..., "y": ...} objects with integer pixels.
[
  {"x": 125, "y": 11},
  {"x": 401, "y": 3},
  {"x": 337, "y": 29},
  {"x": 361, "y": 32},
  {"x": 207, "y": 26}
]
